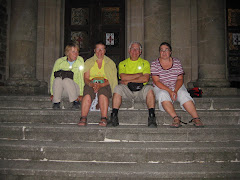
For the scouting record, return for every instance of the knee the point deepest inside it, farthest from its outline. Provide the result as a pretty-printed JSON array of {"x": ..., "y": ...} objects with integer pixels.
[{"x": 118, "y": 89}]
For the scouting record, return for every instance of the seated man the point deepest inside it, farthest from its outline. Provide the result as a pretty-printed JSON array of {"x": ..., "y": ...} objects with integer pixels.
[
  {"x": 134, "y": 70},
  {"x": 67, "y": 77}
]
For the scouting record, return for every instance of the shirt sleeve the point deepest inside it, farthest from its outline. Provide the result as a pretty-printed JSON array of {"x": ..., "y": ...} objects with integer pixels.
[
  {"x": 146, "y": 69},
  {"x": 154, "y": 70},
  {"x": 121, "y": 68},
  {"x": 180, "y": 68}
]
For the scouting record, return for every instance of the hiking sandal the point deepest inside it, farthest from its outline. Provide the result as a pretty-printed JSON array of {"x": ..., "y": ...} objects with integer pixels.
[
  {"x": 197, "y": 122},
  {"x": 83, "y": 121},
  {"x": 176, "y": 123},
  {"x": 103, "y": 122}
]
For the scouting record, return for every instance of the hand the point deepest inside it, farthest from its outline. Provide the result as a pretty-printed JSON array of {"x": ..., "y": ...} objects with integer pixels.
[
  {"x": 79, "y": 98},
  {"x": 173, "y": 95},
  {"x": 96, "y": 87},
  {"x": 51, "y": 97}
]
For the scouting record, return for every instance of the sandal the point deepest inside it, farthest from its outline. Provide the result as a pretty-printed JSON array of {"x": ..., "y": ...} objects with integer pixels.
[
  {"x": 176, "y": 123},
  {"x": 197, "y": 122},
  {"x": 83, "y": 121},
  {"x": 103, "y": 122}
]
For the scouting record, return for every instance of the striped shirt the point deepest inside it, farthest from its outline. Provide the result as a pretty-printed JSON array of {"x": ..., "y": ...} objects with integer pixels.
[{"x": 167, "y": 76}]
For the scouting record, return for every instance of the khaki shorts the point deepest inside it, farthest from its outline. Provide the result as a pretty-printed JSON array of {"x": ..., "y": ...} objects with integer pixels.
[
  {"x": 106, "y": 91},
  {"x": 126, "y": 93}
]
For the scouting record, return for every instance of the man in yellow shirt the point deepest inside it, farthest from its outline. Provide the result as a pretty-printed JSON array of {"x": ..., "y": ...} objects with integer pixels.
[{"x": 131, "y": 71}]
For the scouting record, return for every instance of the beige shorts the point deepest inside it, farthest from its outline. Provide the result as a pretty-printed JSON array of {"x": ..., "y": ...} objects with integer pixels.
[{"x": 126, "y": 93}]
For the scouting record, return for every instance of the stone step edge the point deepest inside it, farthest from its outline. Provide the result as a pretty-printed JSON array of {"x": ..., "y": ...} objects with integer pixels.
[
  {"x": 124, "y": 169},
  {"x": 170, "y": 145}
]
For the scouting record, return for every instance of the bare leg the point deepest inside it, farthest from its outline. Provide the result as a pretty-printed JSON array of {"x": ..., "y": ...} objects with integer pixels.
[
  {"x": 190, "y": 108},
  {"x": 86, "y": 104},
  {"x": 103, "y": 104},
  {"x": 116, "y": 101},
  {"x": 150, "y": 100},
  {"x": 168, "y": 106}
]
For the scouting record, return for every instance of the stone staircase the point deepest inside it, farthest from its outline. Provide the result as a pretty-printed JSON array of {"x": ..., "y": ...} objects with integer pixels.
[{"x": 37, "y": 142}]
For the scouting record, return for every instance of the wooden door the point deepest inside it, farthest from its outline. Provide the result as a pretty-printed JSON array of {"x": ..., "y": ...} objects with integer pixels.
[{"x": 90, "y": 21}]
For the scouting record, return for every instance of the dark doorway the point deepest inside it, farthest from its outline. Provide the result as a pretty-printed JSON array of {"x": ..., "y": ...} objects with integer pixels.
[
  {"x": 88, "y": 22},
  {"x": 233, "y": 36}
]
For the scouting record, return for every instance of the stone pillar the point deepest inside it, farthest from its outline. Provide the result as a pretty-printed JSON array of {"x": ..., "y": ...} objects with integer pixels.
[
  {"x": 135, "y": 23},
  {"x": 211, "y": 44},
  {"x": 22, "y": 49},
  {"x": 157, "y": 26}
]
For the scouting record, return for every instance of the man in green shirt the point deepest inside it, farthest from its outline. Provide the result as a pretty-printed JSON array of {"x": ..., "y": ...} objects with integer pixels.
[
  {"x": 134, "y": 70},
  {"x": 67, "y": 77}
]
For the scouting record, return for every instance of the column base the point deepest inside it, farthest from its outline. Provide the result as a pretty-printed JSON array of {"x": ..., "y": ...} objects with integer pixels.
[
  {"x": 24, "y": 87},
  {"x": 215, "y": 87},
  {"x": 211, "y": 83}
]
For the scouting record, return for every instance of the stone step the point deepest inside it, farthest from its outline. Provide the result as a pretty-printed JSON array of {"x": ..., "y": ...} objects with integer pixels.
[
  {"x": 43, "y": 102},
  {"x": 138, "y": 152},
  {"x": 209, "y": 117},
  {"x": 21, "y": 169},
  {"x": 48, "y": 132}
]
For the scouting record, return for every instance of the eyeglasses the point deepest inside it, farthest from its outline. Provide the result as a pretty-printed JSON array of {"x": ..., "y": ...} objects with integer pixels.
[
  {"x": 135, "y": 49},
  {"x": 166, "y": 50},
  {"x": 98, "y": 49}
]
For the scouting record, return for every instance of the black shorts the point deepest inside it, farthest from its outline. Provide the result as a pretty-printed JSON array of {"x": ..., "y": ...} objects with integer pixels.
[{"x": 106, "y": 91}]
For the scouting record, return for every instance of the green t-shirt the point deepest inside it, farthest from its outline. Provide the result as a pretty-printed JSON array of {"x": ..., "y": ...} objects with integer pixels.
[{"x": 133, "y": 67}]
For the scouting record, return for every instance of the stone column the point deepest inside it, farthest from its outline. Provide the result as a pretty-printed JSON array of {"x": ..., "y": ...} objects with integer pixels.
[
  {"x": 157, "y": 26},
  {"x": 22, "y": 48},
  {"x": 135, "y": 23},
  {"x": 211, "y": 44}
]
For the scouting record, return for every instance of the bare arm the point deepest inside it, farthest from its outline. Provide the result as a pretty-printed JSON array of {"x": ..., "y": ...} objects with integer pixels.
[
  {"x": 173, "y": 94},
  {"x": 137, "y": 78}
]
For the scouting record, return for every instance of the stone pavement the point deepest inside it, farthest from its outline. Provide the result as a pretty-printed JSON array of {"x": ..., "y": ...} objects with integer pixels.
[{"x": 37, "y": 142}]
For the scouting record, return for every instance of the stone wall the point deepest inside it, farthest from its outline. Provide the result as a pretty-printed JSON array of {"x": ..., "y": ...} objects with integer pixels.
[{"x": 3, "y": 40}]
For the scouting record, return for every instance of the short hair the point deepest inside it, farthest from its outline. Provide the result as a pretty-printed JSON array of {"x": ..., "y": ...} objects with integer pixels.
[
  {"x": 166, "y": 44},
  {"x": 69, "y": 46},
  {"x": 135, "y": 42},
  {"x": 100, "y": 43}
]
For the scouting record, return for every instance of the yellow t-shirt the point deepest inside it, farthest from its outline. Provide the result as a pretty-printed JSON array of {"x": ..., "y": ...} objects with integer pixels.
[
  {"x": 96, "y": 72},
  {"x": 133, "y": 67}
]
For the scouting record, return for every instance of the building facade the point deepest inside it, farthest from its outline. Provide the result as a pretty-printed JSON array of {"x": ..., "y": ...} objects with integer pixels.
[{"x": 34, "y": 33}]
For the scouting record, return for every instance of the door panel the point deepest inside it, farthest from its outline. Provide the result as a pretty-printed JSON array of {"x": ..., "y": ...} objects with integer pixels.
[{"x": 93, "y": 21}]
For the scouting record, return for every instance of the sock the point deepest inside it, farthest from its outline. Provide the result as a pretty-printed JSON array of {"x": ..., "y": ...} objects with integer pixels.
[
  {"x": 115, "y": 111},
  {"x": 151, "y": 112}
]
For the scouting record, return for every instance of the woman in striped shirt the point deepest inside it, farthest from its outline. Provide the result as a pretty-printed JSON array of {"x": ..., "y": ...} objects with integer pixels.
[{"x": 167, "y": 74}]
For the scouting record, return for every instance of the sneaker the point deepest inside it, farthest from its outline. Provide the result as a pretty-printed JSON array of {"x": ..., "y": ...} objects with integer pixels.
[
  {"x": 75, "y": 104},
  {"x": 56, "y": 105},
  {"x": 113, "y": 120},
  {"x": 152, "y": 122}
]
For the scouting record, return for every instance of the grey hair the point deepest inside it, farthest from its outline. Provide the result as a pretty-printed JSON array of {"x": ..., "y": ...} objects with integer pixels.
[{"x": 135, "y": 42}]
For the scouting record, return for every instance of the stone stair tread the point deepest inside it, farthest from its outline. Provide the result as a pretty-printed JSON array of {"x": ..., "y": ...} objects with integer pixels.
[
  {"x": 206, "y": 146},
  {"x": 119, "y": 170},
  {"x": 210, "y": 117},
  {"x": 43, "y": 102},
  {"x": 93, "y": 132}
]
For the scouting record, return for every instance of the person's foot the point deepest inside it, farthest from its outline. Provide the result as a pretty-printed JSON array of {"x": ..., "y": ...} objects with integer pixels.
[
  {"x": 56, "y": 105},
  {"x": 113, "y": 120},
  {"x": 152, "y": 122},
  {"x": 83, "y": 121},
  {"x": 176, "y": 122},
  {"x": 197, "y": 122},
  {"x": 75, "y": 105}
]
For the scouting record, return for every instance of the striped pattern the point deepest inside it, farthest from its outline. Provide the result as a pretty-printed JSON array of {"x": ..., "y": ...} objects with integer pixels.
[{"x": 167, "y": 77}]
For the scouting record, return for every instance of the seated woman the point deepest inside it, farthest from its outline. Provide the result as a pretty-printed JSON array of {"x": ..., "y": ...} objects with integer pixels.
[
  {"x": 167, "y": 74},
  {"x": 100, "y": 76}
]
